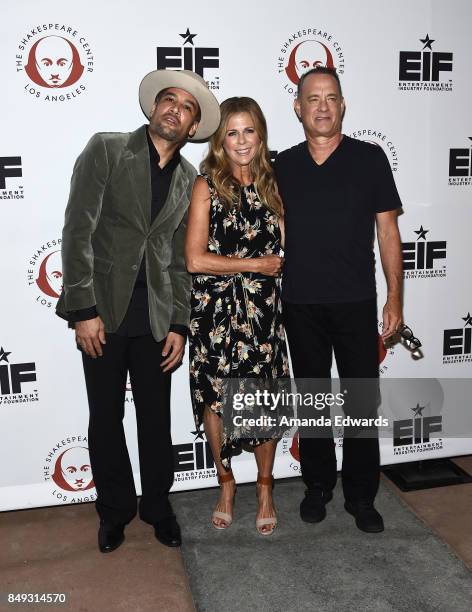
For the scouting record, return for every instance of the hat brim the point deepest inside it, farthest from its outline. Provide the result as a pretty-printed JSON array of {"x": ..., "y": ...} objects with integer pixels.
[{"x": 157, "y": 80}]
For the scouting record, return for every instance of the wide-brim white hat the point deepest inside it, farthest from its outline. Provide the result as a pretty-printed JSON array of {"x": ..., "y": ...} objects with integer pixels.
[{"x": 157, "y": 80}]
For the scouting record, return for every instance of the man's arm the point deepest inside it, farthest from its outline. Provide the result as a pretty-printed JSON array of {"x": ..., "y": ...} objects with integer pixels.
[
  {"x": 180, "y": 278},
  {"x": 82, "y": 214},
  {"x": 181, "y": 283},
  {"x": 392, "y": 263},
  {"x": 81, "y": 219}
]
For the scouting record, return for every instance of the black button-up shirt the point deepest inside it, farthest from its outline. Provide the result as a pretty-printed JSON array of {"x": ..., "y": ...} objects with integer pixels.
[{"x": 136, "y": 320}]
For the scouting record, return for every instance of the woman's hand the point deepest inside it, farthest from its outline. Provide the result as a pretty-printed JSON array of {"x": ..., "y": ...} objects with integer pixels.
[{"x": 270, "y": 265}]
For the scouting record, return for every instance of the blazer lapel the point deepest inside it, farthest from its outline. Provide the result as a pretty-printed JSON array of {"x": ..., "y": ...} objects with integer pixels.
[
  {"x": 177, "y": 190},
  {"x": 137, "y": 161}
]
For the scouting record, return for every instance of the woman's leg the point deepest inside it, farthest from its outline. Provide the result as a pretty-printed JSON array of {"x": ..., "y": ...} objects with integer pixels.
[
  {"x": 265, "y": 454},
  {"x": 214, "y": 433}
]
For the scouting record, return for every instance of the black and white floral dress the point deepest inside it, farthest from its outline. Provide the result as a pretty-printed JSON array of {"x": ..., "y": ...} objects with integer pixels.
[{"x": 236, "y": 328}]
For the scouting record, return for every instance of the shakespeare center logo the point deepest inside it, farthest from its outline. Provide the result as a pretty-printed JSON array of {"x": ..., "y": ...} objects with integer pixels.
[
  {"x": 378, "y": 137},
  {"x": 17, "y": 380},
  {"x": 54, "y": 61},
  {"x": 290, "y": 445},
  {"x": 425, "y": 69},
  {"x": 306, "y": 49},
  {"x": 67, "y": 468},
  {"x": 44, "y": 273},
  {"x": 193, "y": 461},
  {"x": 11, "y": 182},
  {"x": 414, "y": 410},
  {"x": 291, "y": 449},
  {"x": 190, "y": 56},
  {"x": 457, "y": 342},
  {"x": 460, "y": 166},
  {"x": 423, "y": 258}
]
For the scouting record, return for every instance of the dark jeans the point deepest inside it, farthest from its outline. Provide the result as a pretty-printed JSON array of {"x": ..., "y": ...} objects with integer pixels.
[
  {"x": 350, "y": 329},
  {"x": 105, "y": 378}
]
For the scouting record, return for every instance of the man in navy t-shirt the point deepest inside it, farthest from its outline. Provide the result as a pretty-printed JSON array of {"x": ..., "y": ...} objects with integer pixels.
[{"x": 335, "y": 191}]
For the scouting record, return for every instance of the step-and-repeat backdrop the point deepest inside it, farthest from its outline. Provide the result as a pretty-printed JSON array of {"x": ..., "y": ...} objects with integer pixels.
[{"x": 71, "y": 69}]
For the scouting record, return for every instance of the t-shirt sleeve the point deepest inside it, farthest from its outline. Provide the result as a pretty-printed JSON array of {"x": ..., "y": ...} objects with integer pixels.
[
  {"x": 278, "y": 166},
  {"x": 385, "y": 196}
]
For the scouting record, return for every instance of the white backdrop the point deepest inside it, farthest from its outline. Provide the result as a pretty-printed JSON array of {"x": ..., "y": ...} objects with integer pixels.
[{"x": 420, "y": 119}]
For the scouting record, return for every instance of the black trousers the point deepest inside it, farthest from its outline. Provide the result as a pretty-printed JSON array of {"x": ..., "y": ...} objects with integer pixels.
[
  {"x": 105, "y": 378},
  {"x": 350, "y": 329}
]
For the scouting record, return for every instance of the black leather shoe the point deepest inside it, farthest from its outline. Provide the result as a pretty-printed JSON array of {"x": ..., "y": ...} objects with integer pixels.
[
  {"x": 366, "y": 516},
  {"x": 313, "y": 506},
  {"x": 167, "y": 531},
  {"x": 110, "y": 537}
]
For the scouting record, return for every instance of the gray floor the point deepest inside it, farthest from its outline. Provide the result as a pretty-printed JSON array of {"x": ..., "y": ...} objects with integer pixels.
[{"x": 325, "y": 567}]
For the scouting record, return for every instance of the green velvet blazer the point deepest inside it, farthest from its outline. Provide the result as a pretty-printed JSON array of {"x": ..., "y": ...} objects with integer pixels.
[{"x": 107, "y": 231}]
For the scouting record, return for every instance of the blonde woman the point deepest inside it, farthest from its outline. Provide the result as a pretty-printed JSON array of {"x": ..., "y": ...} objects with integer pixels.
[{"x": 233, "y": 249}]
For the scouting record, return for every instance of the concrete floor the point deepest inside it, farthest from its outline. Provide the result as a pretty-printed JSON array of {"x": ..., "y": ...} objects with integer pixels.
[
  {"x": 447, "y": 511},
  {"x": 54, "y": 550}
]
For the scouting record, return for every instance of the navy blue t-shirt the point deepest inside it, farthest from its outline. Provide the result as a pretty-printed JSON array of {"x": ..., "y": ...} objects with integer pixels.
[{"x": 330, "y": 220}]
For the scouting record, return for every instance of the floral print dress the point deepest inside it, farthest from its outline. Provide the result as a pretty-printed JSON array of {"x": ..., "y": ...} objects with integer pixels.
[{"x": 236, "y": 328}]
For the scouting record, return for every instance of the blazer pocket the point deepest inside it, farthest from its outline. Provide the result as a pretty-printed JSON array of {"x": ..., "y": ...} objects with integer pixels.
[{"x": 102, "y": 265}]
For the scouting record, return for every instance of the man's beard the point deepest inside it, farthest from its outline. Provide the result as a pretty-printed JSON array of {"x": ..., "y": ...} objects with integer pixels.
[{"x": 166, "y": 132}]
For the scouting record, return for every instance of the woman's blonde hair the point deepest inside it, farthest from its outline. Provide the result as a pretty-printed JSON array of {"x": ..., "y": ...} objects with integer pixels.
[{"x": 216, "y": 164}]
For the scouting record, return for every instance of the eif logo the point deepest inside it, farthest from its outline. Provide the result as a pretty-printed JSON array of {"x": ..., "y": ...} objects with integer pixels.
[
  {"x": 457, "y": 343},
  {"x": 190, "y": 57},
  {"x": 13, "y": 377},
  {"x": 194, "y": 459},
  {"x": 10, "y": 168},
  {"x": 425, "y": 69},
  {"x": 423, "y": 258},
  {"x": 460, "y": 166},
  {"x": 417, "y": 430}
]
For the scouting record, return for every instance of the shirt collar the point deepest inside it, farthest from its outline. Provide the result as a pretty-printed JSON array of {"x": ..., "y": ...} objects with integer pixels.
[{"x": 155, "y": 157}]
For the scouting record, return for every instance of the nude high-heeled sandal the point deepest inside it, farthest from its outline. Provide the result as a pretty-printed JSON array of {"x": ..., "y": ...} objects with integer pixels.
[
  {"x": 267, "y": 481},
  {"x": 217, "y": 514}
]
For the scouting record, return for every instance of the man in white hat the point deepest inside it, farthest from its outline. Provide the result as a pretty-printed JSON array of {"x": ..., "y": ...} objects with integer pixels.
[{"x": 126, "y": 292}]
